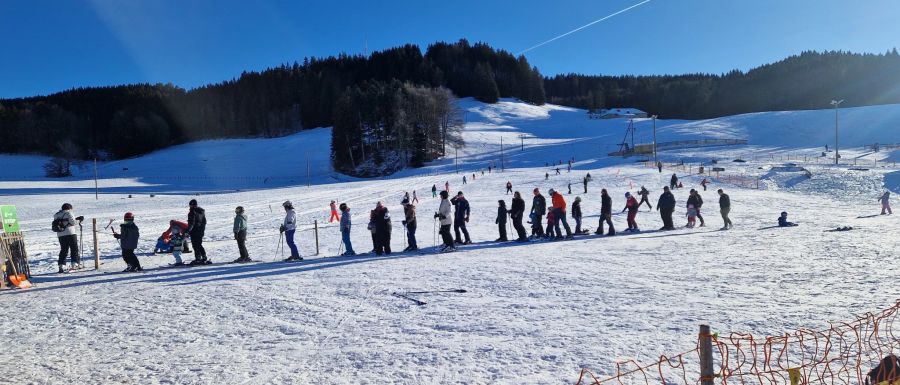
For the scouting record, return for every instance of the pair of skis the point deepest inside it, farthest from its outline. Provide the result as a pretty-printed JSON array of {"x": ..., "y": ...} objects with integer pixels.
[{"x": 405, "y": 295}]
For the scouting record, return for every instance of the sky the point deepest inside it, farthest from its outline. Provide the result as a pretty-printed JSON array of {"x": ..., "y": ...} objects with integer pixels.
[{"x": 54, "y": 45}]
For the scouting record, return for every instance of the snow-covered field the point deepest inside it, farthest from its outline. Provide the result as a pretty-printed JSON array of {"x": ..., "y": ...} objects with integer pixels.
[{"x": 533, "y": 313}]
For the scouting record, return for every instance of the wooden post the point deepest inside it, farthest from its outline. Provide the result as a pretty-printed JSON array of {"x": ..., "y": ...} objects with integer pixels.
[
  {"x": 706, "y": 360},
  {"x": 96, "y": 249},
  {"x": 316, "y": 227}
]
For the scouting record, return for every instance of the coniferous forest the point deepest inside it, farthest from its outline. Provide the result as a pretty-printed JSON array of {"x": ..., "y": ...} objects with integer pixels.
[{"x": 397, "y": 107}]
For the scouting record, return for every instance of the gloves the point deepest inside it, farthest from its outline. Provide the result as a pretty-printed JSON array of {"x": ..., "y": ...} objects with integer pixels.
[
  {"x": 436, "y": 215},
  {"x": 282, "y": 228},
  {"x": 496, "y": 222},
  {"x": 403, "y": 222},
  {"x": 467, "y": 219},
  {"x": 79, "y": 218}
]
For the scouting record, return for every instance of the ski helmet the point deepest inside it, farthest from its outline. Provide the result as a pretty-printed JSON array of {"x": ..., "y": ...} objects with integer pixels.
[
  {"x": 551, "y": 191},
  {"x": 129, "y": 216}
]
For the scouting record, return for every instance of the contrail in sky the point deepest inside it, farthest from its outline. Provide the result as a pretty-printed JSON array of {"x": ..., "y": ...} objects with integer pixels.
[{"x": 585, "y": 26}]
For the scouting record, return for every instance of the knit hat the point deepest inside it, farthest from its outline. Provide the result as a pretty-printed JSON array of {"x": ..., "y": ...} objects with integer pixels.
[
  {"x": 66, "y": 206},
  {"x": 552, "y": 191},
  {"x": 239, "y": 209},
  {"x": 129, "y": 216},
  {"x": 192, "y": 203},
  {"x": 627, "y": 194}
]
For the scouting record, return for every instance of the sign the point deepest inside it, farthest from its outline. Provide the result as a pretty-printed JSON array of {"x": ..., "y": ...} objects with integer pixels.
[{"x": 9, "y": 219}]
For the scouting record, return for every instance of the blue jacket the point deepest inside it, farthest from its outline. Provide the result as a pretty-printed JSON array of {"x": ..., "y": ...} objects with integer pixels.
[
  {"x": 345, "y": 221},
  {"x": 462, "y": 208}
]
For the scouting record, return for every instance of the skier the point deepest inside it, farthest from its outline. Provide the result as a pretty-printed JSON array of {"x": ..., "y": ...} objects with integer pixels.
[
  {"x": 415, "y": 198},
  {"x": 559, "y": 211},
  {"x": 446, "y": 221},
  {"x": 605, "y": 214},
  {"x": 515, "y": 213},
  {"x": 345, "y": 230},
  {"x": 659, "y": 166},
  {"x": 405, "y": 197},
  {"x": 538, "y": 206},
  {"x": 508, "y": 187},
  {"x": 473, "y": 176},
  {"x": 240, "y": 234},
  {"x": 725, "y": 208},
  {"x": 585, "y": 184},
  {"x": 178, "y": 244},
  {"x": 570, "y": 188},
  {"x": 174, "y": 226},
  {"x": 557, "y": 171},
  {"x": 694, "y": 199},
  {"x": 886, "y": 203},
  {"x": 447, "y": 187},
  {"x": 644, "y": 193},
  {"x": 576, "y": 214},
  {"x": 460, "y": 217},
  {"x": 703, "y": 183},
  {"x": 64, "y": 226},
  {"x": 289, "y": 228},
  {"x": 546, "y": 176},
  {"x": 691, "y": 216},
  {"x": 409, "y": 221},
  {"x": 128, "y": 240},
  {"x": 783, "y": 222},
  {"x": 666, "y": 206},
  {"x": 464, "y": 179},
  {"x": 632, "y": 206},
  {"x": 551, "y": 232},
  {"x": 501, "y": 220},
  {"x": 433, "y": 190},
  {"x": 673, "y": 182},
  {"x": 334, "y": 214},
  {"x": 381, "y": 220},
  {"x": 196, "y": 229}
]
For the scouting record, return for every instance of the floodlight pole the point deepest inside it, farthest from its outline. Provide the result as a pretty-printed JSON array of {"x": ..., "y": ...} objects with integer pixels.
[
  {"x": 655, "y": 158},
  {"x": 836, "y": 104}
]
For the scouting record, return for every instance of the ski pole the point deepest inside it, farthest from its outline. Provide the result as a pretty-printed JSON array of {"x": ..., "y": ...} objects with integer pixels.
[
  {"x": 433, "y": 232},
  {"x": 436, "y": 291}
]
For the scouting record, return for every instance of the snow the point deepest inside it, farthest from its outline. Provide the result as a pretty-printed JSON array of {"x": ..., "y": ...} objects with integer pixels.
[{"x": 533, "y": 313}]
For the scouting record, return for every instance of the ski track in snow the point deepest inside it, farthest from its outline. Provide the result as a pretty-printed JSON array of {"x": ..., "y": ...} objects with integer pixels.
[{"x": 533, "y": 313}]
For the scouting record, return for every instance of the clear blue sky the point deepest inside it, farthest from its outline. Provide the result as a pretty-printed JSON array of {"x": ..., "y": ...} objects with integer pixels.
[{"x": 52, "y": 45}]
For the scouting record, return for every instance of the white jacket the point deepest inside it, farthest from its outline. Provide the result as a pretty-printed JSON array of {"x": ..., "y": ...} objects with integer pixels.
[
  {"x": 290, "y": 220},
  {"x": 446, "y": 212},
  {"x": 70, "y": 223}
]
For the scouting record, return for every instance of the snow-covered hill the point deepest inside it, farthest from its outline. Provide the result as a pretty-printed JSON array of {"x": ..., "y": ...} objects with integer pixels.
[{"x": 533, "y": 313}]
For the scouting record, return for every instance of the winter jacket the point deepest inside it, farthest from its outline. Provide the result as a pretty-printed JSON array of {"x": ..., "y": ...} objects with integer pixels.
[
  {"x": 240, "y": 223},
  {"x": 576, "y": 209},
  {"x": 674, "y": 179},
  {"x": 196, "y": 222},
  {"x": 886, "y": 198},
  {"x": 695, "y": 200},
  {"x": 643, "y": 193},
  {"x": 445, "y": 214},
  {"x": 501, "y": 215},
  {"x": 632, "y": 205},
  {"x": 345, "y": 221},
  {"x": 409, "y": 212},
  {"x": 605, "y": 204},
  {"x": 129, "y": 235},
  {"x": 666, "y": 201},
  {"x": 290, "y": 220},
  {"x": 539, "y": 205},
  {"x": 558, "y": 201},
  {"x": 724, "y": 201},
  {"x": 182, "y": 228},
  {"x": 381, "y": 219},
  {"x": 66, "y": 215},
  {"x": 462, "y": 208},
  {"x": 517, "y": 209}
]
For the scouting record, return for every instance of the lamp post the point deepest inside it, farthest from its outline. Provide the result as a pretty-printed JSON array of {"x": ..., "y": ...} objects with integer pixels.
[
  {"x": 655, "y": 158},
  {"x": 836, "y": 104}
]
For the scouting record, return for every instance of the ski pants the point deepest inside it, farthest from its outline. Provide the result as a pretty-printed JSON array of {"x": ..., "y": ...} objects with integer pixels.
[
  {"x": 886, "y": 206},
  {"x": 508, "y": 190},
  {"x": 289, "y": 236},
  {"x": 130, "y": 258},
  {"x": 434, "y": 194},
  {"x": 666, "y": 215},
  {"x": 177, "y": 255},
  {"x": 241, "y": 238},
  {"x": 197, "y": 243},
  {"x": 632, "y": 224},
  {"x": 577, "y": 225},
  {"x": 460, "y": 224},
  {"x": 537, "y": 229},
  {"x": 345, "y": 237},
  {"x": 561, "y": 217},
  {"x": 585, "y": 187},
  {"x": 68, "y": 244},
  {"x": 334, "y": 217},
  {"x": 445, "y": 235},
  {"x": 382, "y": 242},
  {"x": 605, "y": 217},
  {"x": 725, "y": 219},
  {"x": 517, "y": 224},
  {"x": 700, "y": 217},
  {"x": 501, "y": 227},
  {"x": 644, "y": 199},
  {"x": 411, "y": 235}
]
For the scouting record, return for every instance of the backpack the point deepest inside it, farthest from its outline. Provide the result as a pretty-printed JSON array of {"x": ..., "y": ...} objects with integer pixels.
[
  {"x": 58, "y": 225},
  {"x": 887, "y": 370}
]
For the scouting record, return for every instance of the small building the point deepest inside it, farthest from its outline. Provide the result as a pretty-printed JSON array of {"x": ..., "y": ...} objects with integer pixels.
[{"x": 617, "y": 113}]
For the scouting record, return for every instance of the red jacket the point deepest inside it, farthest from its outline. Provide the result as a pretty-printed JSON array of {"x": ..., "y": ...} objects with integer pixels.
[{"x": 558, "y": 201}]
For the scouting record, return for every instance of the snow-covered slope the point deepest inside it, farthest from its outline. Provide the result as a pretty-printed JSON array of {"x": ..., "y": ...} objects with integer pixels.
[{"x": 533, "y": 313}]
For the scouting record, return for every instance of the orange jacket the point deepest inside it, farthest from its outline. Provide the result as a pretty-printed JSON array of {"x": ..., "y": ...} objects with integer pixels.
[{"x": 558, "y": 201}]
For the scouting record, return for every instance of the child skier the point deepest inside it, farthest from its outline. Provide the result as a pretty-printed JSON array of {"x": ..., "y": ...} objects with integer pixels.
[
  {"x": 550, "y": 233},
  {"x": 501, "y": 220},
  {"x": 632, "y": 205},
  {"x": 691, "y": 216},
  {"x": 128, "y": 240},
  {"x": 886, "y": 203},
  {"x": 240, "y": 234},
  {"x": 345, "y": 230},
  {"x": 176, "y": 241},
  {"x": 334, "y": 214},
  {"x": 783, "y": 222},
  {"x": 576, "y": 213}
]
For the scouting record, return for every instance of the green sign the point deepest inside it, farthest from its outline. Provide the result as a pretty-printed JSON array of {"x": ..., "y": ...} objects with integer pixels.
[{"x": 9, "y": 219}]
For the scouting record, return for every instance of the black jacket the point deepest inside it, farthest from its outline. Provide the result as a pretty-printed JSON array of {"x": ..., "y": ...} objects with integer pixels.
[
  {"x": 576, "y": 209},
  {"x": 539, "y": 205},
  {"x": 695, "y": 200},
  {"x": 501, "y": 215},
  {"x": 605, "y": 204},
  {"x": 666, "y": 201},
  {"x": 196, "y": 222},
  {"x": 462, "y": 209},
  {"x": 129, "y": 236},
  {"x": 724, "y": 201},
  {"x": 382, "y": 221},
  {"x": 517, "y": 209}
]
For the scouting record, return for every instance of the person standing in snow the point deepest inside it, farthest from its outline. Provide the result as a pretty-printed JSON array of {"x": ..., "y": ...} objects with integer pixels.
[
  {"x": 703, "y": 183},
  {"x": 605, "y": 214},
  {"x": 240, "y": 234},
  {"x": 178, "y": 244},
  {"x": 659, "y": 166},
  {"x": 557, "y": 171},
  {"x": 128, "y": 240},
  {"x": 570, "y": 188},
  {"x": 444, "y": 214},
  {"x": 464, "y": 179},
  {"x": 516, "y": 212},
  {"x": 461, "y": 217},
  {"x": 666, "y": 207},
  {"x": 196, "y": 229},
  {"x": 695, "y": 200},
  {"x": 334, "y": 214},
  {"x": 68, "y": 240},
  {"x": 673, "y": 182},
  {"x": 632, "y": 206},
  {"x": 508, "y": 187},
  {"x": 725, "y": 208},
  {"x": 546, "y": 176},
  {"x": 644, "y": 197},
  {"x": 538, "y": 207},
  {"x": 886, "y": 203},
  {"x": 345, "y": 230},
  {"x": 415, "y": 199},
  {"x": 289, "y": 228},
  {"x": 559, "y": 211},
  {"x": 576, "y": 214},
  {"x": 382, "y": 222},
  {"x": 585, "y": 181},
  {"x": 501, "y": 220},
  {"x": 409, "y": 221},
  {"x": 447, "y": 186},
  {"x": 433, "y": 190}
]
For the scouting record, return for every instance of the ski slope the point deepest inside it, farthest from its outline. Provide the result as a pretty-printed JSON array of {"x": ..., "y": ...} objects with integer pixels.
[{"x": 533, "y": 313}]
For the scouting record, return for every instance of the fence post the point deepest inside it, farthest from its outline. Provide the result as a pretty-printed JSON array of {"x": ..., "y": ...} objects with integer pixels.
[
  {"x": 316, "y": 226},
  {"x": 96, "y": 249},
  {"x": 706, "y": 360}
]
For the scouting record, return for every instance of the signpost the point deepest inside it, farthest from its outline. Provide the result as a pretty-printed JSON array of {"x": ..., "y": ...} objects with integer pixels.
[{"x": 9, "y": 219}]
